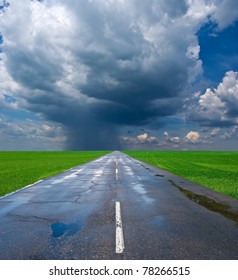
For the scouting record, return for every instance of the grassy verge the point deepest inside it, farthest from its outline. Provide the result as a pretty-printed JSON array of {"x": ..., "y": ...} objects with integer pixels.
[
  {"x": 216, "y": 170},
  {"x": 18, "y": 169}
]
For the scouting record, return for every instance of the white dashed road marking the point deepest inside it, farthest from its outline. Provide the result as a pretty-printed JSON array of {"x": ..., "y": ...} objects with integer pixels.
[
  {"x": 116, "y": 172},
  {"x": 119, "y": 231}
]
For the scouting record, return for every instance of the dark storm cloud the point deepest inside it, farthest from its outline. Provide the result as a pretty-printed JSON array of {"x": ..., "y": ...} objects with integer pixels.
[
  {"x": 33, "y": 71},
  {"x": 94, "y": 66}
]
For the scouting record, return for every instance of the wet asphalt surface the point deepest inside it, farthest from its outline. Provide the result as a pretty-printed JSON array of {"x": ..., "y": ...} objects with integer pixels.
[{"x": 72, "y": 215}]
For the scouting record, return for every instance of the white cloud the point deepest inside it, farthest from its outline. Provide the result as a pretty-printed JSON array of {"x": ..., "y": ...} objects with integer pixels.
[
  {"x": 193, "y": 51},
  {"x": 220, "y": 105},
  {"x": 227, "y": 91},
  {"x": 31, "y": 134},
  {"x": 175, "y": 139},
  {"x": 8, "y": 87},
  {"x": 145, "y": 138},
  {"x": 199, "y": 10},
  {"x": 140, "y": 139},
  {"x": 211, "y": 105},
  {"x": 226, "y": 13},
  {"x": 192, "y": 137},
  {"x": 214, "y": 131}
]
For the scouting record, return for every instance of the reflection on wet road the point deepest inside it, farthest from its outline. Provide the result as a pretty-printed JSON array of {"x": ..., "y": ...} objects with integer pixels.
[{"x": 117, "y": 207}]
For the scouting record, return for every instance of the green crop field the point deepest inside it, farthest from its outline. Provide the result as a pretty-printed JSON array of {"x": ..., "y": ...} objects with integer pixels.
[
  {"x": 215, "y": 170},
  {"x": 18, "y": 169}
]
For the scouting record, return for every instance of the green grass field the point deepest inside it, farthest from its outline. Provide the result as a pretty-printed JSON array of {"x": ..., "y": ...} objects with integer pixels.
[
  {"x": 18, "y": 169},
  {"x": 215, "y": 170}
]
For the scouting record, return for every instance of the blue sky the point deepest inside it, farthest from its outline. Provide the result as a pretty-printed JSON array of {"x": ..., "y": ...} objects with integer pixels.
[
  {"x": 218, "y": 50},
  {"x": 160, "y": 74}
]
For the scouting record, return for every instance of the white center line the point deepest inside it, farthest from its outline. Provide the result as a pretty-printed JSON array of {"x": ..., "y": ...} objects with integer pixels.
[
  {"x": 119, "y": 231},
  {"x": 116, "y": 171}
]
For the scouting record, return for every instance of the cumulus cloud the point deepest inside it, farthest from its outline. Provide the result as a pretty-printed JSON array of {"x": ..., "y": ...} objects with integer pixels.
[
  {"x": 145, "y": 138},
  {"x": 175, "y": 139},
  {"x": 171, "y": 139},
  {"x": 223, "y": 12},
  {"x": 192, "y": 137},
  {"x": 226, "y": 13},
  {"x": 140, "y": 140},
  {"x": 29, "y": 134},
  {"x": 94, "y": 66},
  {"x": 219, "y": 106}
]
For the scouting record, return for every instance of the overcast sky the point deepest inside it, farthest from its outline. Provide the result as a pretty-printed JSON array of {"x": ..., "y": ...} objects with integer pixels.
[{"x": 118, "y": 74}]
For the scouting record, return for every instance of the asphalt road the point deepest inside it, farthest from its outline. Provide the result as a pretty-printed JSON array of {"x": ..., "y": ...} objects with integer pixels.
[{"x": 117, "y": 207}]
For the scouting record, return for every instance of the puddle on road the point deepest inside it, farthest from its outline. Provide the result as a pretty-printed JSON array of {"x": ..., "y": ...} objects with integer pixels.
[
  {"x": 158, "y": 220},
  {"x": 208, "y": 203},
  {"x": 59, "y": 229}
]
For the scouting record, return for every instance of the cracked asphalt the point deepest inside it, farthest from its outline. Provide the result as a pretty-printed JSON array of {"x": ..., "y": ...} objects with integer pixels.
[{"x": 72, "y": 215}]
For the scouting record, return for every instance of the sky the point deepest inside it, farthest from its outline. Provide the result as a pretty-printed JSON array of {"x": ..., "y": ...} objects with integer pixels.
[{"x": 118, "y": 74}]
